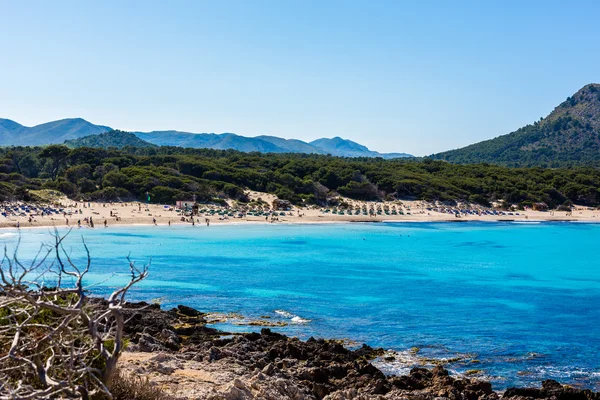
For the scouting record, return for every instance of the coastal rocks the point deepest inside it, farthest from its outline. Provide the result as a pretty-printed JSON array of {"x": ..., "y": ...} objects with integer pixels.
[
  {"x": 147, "y": 343},
  {"x": 187, "y": 311},
  {"x": 193, "y": 361},
  {"x": 169, "y": 339},
  {"x": 550, "y": 390}
]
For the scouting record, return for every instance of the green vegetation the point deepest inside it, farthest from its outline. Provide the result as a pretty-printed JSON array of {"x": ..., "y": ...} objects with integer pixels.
[
  {"x": 172, "y": 173},
  {"x": 569, "y": 136},
  {"x": 116, "y": 138}
]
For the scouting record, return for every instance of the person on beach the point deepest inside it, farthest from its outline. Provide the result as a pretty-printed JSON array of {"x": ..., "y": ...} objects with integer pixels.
[
  {"x": 169, "y": 222},
  {"x": 154, "y": 220},
  {"x": 105, "y": 225},
  {"x": 79, "y": 223}
]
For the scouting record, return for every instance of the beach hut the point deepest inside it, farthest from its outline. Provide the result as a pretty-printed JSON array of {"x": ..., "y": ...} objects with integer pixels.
[
  {"x": 186, "y": 205},
  {"x": 284, "y": 205},
  {"x": 540, "y": 207}
]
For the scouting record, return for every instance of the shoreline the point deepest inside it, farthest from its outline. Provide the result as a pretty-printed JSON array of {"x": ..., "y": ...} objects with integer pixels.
[{"x": 10, "y": 227}]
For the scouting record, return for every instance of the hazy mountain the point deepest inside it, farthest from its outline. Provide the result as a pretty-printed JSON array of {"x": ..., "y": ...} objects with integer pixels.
[
  {"x": 569, "y": 135},
  {"x": 264, "y": 144},
  {"x": 292, "y": 145},
  {"x": 118, "y": 139},
  {"x": 14, "y": 134},
  {"x": 347, "y": 148},
  {"x": 221, "y": 141}
]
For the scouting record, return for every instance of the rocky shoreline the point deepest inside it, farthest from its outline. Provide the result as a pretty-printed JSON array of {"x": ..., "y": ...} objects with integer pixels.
[{"x": 176, "y": 350}]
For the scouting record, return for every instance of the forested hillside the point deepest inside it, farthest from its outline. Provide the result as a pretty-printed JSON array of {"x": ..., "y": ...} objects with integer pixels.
[
  {"x": 170, "y": 173},
  {"x": 116, "y": 138},
  {"x": 569, "y": 136}
]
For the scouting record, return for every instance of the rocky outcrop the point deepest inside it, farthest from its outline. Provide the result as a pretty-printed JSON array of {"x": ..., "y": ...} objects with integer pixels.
[
  {"x": 175, "y": 349},
  {"x": 550, "y": 390}
]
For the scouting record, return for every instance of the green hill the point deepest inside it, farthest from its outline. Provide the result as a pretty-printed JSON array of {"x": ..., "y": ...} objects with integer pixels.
[
  {"x": 569, "y": 136},
  {"x": 115, "y": 138}
]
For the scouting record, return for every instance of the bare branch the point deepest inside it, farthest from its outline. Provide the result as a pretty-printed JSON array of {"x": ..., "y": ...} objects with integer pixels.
[{"x": 56, "y": 342}]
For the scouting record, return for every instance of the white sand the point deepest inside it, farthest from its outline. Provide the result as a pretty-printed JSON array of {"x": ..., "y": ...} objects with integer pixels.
[{"x": 139, "y": 213}]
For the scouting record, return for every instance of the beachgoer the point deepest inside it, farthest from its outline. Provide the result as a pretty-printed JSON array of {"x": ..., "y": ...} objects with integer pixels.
[{"x": 105, "y": 223}]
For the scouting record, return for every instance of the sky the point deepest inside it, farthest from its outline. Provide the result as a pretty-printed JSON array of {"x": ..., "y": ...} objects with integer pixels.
[{"x": 397, "y": 76}]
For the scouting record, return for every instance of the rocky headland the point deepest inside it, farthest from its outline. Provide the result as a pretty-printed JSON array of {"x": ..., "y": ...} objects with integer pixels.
[{"x": 177, "y": 352}]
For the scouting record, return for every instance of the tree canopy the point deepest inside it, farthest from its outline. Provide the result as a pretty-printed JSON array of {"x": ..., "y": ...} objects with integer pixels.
[{"x": 173, "y": 173}]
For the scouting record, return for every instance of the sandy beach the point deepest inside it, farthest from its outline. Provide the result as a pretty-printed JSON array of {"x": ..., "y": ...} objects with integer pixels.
[{"x": 137, "y": 213}]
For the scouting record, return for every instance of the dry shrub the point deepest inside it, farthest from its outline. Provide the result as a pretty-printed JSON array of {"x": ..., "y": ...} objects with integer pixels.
[
  {"x": 127, "y": 387},
  {"x": 54, "y": 343}
]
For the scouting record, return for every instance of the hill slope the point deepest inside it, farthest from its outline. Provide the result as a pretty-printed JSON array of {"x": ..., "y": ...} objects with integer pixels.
[
  {"x": 116, "y": 138},
  {"x": 569, "y": 135}
]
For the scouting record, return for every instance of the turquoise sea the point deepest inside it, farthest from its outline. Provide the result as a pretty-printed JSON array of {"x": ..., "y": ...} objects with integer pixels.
[{"x": 519, "y": 302}]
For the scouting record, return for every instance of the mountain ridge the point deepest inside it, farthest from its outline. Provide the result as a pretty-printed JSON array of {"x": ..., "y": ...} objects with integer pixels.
[
  {"x": 54, "y": 132},
  {"x": 57, "y": 132}
]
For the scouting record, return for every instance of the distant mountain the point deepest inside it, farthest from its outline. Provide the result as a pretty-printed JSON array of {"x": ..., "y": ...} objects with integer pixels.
[
  {"x": 263, "y": 144},
  {"x": 569, "y": 135},
  {"x": 221, "y": 141},
  {"x": 116, "y": 138},
  {"x": 347, "y": 148},
  {"x": 14, "y": 134},
  {"x": 292, "y": 145}
]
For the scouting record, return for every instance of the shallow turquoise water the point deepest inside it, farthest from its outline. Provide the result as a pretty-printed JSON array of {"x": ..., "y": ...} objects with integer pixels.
[{"x": 521, "y": 299}]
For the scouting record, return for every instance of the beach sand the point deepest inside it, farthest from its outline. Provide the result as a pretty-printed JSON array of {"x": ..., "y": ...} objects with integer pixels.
[{"x": 136, "y": 213}]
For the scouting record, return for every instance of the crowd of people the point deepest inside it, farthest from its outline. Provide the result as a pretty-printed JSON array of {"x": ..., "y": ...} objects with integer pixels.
[{"x": 88, "y": 214}]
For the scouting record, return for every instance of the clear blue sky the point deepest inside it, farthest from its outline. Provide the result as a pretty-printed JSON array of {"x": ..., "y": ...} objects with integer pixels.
[{"x": 408, "y": 76}]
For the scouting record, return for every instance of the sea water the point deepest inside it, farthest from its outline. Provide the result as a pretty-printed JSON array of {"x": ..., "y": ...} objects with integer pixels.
[{"x": 513, "y": 303}]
